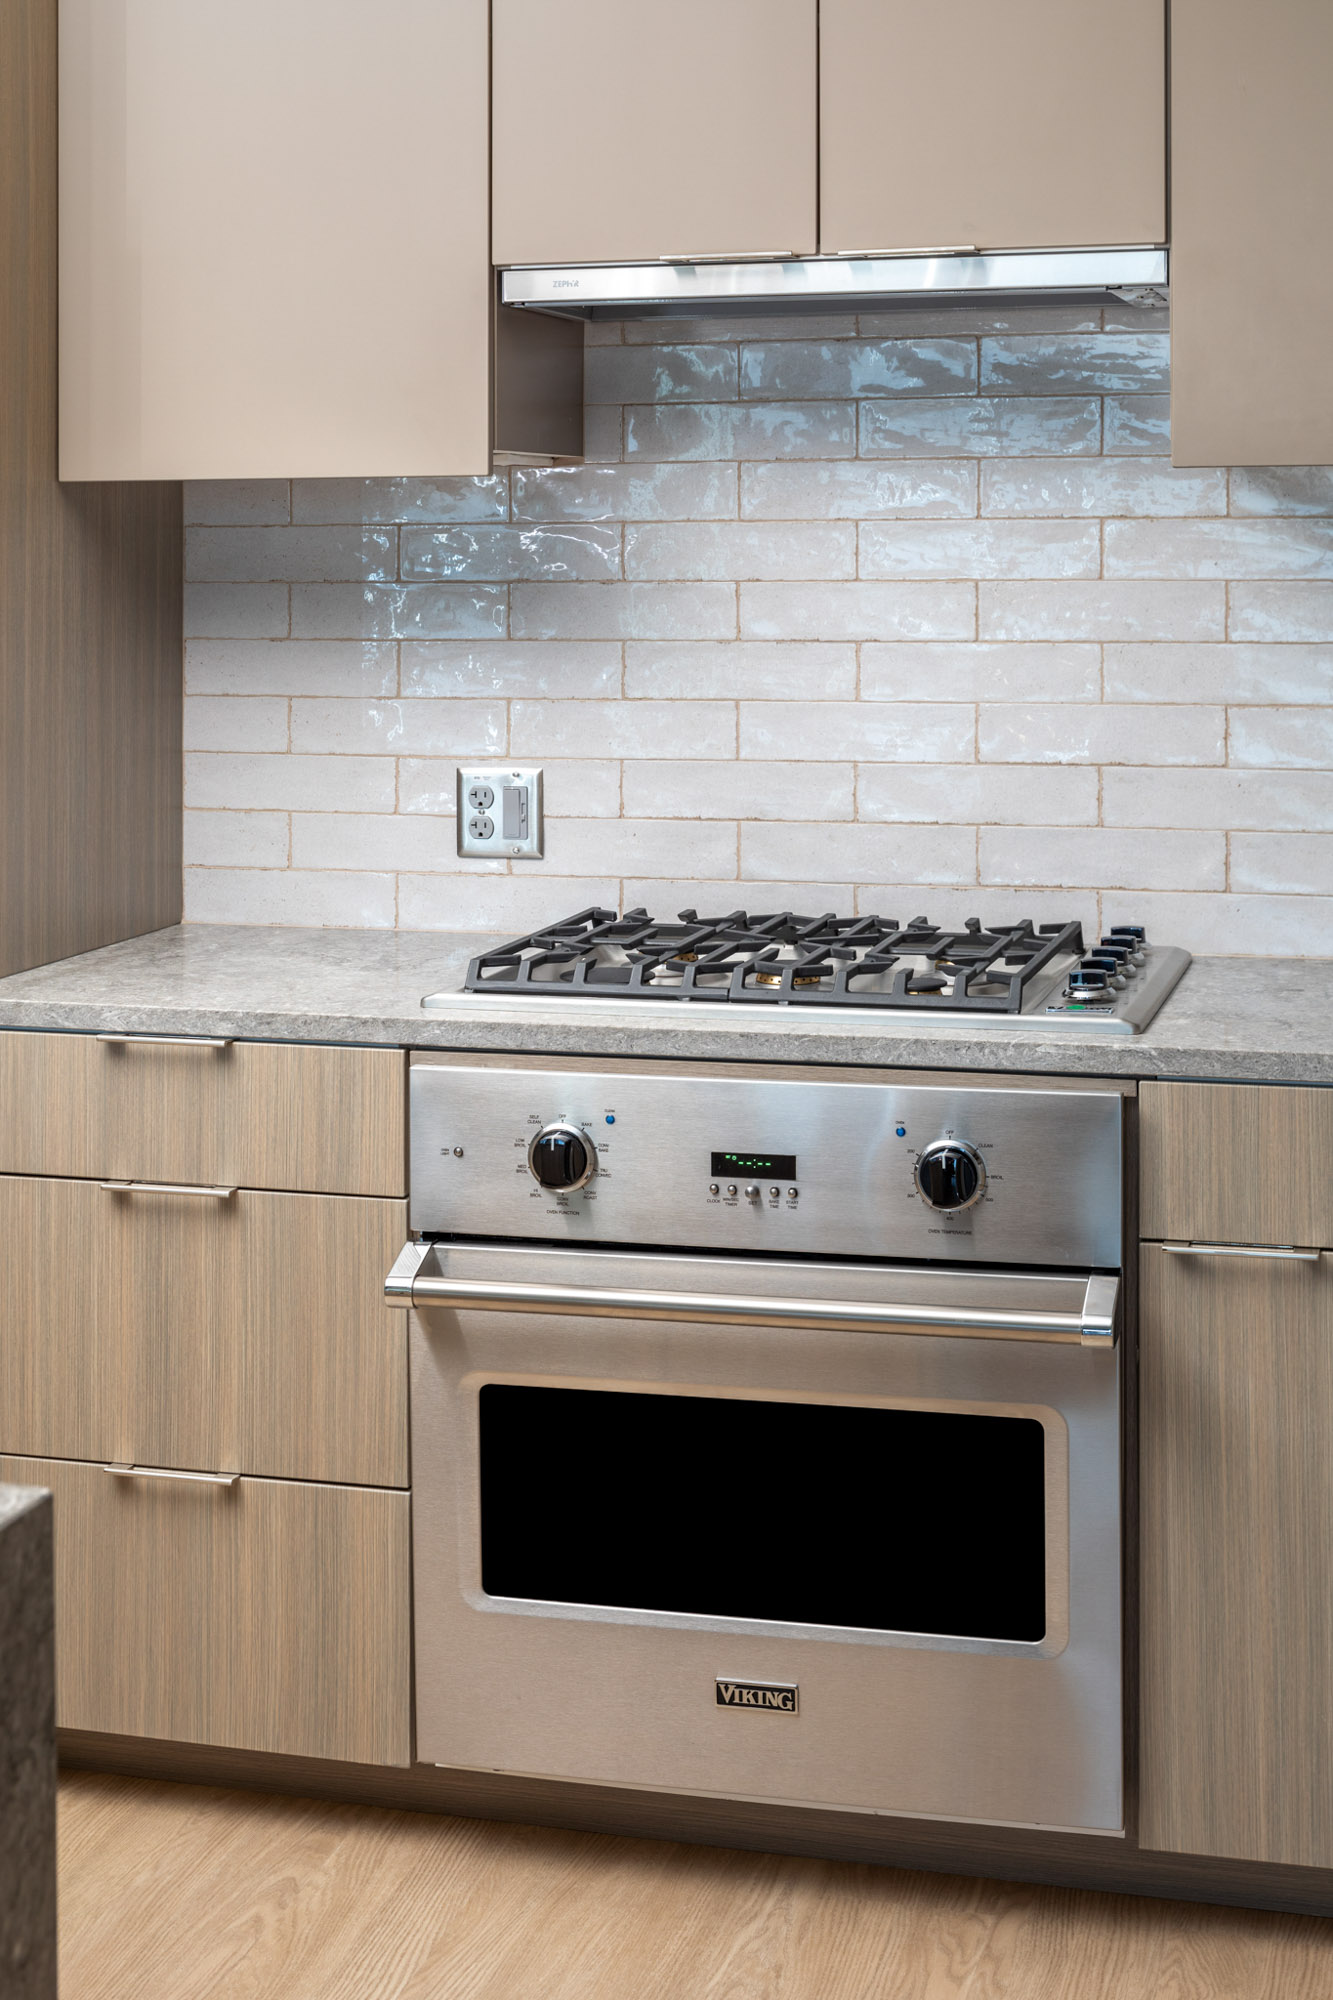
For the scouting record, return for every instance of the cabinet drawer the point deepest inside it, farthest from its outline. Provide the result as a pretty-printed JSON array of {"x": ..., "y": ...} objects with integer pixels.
[
  {"x": 1236, "y": 1163},
  {"x": 260, "y": 1616},
  {"x": 248, "y": 1114},
  {"x": 246, "y": 1334}
]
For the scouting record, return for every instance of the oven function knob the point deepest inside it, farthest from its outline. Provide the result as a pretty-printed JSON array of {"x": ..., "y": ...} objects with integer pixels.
[
  {"x": 951, "y": 1175},
  {"x": 561, "y": 1158}
]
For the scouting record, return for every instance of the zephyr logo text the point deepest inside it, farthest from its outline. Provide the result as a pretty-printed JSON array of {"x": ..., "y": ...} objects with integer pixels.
[{"x": 784, "y": 1696}]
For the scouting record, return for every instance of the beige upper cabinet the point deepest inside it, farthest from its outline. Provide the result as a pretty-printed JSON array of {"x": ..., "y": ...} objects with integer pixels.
[
  {"x": 273, "y": 238},
  {"x": 1038, "y": 124},
  {"x": 629, "y": 130},
  {"x": 1251, "y": 232}
]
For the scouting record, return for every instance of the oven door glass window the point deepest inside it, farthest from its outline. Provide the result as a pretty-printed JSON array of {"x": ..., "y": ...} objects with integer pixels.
[{"x": 801, "y": 1513}]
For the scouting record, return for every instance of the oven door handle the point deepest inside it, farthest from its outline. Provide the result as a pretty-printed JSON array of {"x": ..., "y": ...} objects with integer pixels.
[{"x": 1093, "y": 1326}]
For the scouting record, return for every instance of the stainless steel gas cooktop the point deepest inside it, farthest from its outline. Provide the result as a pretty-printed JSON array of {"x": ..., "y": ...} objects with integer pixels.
[{"x": 1013, "y": 975}]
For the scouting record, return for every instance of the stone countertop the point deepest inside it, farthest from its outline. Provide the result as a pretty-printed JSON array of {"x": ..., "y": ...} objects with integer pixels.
[{"x": 1238, "y": 1019}]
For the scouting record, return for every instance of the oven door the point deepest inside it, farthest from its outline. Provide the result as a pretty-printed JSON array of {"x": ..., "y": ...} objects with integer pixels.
[{"x": 835, "y": 1535}]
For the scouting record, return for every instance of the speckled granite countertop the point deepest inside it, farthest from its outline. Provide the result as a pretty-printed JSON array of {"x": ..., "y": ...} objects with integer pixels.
[{"x": 1244, "y": 1019}]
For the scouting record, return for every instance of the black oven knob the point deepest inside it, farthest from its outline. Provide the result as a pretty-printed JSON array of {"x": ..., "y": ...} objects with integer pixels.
[
  {"x": 562, "y": 1158},
  {"x": 951, "y": 1174}
]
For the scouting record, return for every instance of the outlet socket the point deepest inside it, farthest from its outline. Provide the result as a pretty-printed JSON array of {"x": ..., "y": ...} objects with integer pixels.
[{"x": 500, "y": 814}]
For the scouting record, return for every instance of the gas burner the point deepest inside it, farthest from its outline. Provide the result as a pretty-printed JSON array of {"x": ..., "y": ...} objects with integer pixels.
[{"x": 1016, "y": 972}]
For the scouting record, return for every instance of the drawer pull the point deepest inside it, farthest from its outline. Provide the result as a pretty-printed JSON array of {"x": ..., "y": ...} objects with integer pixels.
[
  {"x": 166, "y": 1187},
  {"x": 163, "y": 1472},
  {"x": 167, "y": 1041},
  {"x": 1286, "y": 1253}
]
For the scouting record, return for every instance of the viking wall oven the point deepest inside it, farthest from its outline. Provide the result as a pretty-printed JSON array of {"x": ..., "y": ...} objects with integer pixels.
[{"x": 766, "y": 1434}]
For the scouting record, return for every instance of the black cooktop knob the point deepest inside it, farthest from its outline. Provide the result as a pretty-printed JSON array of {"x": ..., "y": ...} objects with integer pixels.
[
  {"x": 951, "y": 1175},
  {"x": 561, "y": 1158},
  {"x": 1087, "y": 978},
  {"x": 1135, "y": 931}
]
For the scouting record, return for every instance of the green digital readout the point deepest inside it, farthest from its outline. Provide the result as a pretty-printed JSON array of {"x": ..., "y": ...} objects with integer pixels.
[{"x": 781, "y": 1165}]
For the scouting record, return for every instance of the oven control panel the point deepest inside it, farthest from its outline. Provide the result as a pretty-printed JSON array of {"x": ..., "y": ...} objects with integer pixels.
[{"x": 728, "y": 1162}]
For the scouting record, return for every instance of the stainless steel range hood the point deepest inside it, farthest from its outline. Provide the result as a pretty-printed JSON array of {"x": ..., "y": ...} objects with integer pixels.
[{"x": 779, "y": 284}]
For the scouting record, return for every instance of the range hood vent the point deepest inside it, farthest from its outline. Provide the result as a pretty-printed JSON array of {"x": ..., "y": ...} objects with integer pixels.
[{"x": 711, "y": 287}]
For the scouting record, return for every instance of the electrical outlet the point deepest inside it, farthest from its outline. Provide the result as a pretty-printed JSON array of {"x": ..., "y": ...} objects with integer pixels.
[{"x": 500, "y": 814}]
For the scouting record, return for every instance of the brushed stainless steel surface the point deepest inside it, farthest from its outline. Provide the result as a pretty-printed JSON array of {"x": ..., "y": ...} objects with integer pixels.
[
  {"x": 169, "y": 1041},
  {"x": 1241, "y": 1250},
  {"x": 828, "y": 282},
  {"x": 1094, "y": 1320},
  {"x": 165, "y": 1472},
  {"x": 1003, "y": 1731},
  {"x": 1052, "y": 1159},
  {"x": 166, "y": 1187}
]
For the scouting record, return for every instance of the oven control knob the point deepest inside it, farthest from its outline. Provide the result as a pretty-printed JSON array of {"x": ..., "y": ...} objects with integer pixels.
[
  {"x": 951, "y": 1174},
  {"x": 562, "y": 1158}
]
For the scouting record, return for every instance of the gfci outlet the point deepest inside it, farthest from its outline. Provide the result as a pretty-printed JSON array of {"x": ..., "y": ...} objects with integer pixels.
[{"x": 500, "y": 814}]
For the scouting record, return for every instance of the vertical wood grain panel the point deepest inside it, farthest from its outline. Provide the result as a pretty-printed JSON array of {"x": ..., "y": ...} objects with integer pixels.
[
  {"x": 625, "y": 130},
  {"x": 248, "y": 1335},
  {"x": 257, "y": 1114},
  {"x": 1237, "y": 1558},
  {"x": 1251, "y": 232},
  {"x": 274, "y": 224},
  {"x": 1236, "y": 1163},
  {"x": 90, "y": 600},
  {"x": 264, "y": 1616},
  {"x": 1038, "y": 124}
]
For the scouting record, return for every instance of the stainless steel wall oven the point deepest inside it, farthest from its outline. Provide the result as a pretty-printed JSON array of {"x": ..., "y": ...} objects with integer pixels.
[{"x": 766, "y": 1434}]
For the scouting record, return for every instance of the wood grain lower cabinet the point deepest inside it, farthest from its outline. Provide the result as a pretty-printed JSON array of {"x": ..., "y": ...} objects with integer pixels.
[
  {"x": 266, "y": 1615},
  {"x": 250, "y": 1114},
  {"x": 239, "y": 1335},
  {"x": 1237, "y": 1557},
  {"x": 1236, "y": 1162}
]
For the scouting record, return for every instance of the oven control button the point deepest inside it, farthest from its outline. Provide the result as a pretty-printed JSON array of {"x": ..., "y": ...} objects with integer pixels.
[
  {"x": 753, "y": 1192},
  {"x": 951, "y": 1174},
  {"x": 561, "y": 1158},
  {"x": 713, "y": 1188}
]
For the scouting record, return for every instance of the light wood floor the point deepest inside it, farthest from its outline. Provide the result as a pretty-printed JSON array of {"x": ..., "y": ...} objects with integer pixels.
[{"x": 174, "y": 1892}]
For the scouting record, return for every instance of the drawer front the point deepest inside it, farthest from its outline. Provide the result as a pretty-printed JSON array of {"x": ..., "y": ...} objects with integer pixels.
[
  {"x": 260, "y": 1616},
  {"x": 249, "y": 1114},
  {"x": 1236, "y": 1163},
  {"x": 246, "y": 1334}
]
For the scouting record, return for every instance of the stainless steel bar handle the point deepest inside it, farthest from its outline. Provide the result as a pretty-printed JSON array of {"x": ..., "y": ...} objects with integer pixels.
[
  {"x": 167, "y": 1187},
  {"x": 168, "y": 1041},
  {"x": 1095, "y": 1324},
  {"x": 1283, "y": 1251},
  {"x": 163, "y": 1472}
]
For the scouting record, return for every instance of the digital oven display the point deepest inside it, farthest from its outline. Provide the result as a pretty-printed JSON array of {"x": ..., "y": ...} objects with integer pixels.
[{"x": 782, "y": 1166}]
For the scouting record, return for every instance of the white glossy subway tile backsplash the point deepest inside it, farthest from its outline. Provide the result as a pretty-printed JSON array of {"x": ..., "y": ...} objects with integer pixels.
[{"x": 906, "y": 614}]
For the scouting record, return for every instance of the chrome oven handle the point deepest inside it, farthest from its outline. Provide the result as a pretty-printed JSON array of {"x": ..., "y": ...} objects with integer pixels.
[{"x": 1093, "y": 1326}]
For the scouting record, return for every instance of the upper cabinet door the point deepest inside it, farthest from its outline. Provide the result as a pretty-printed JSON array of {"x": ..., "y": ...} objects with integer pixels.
[
  {"x": 273, "y": 238},
  {"x": 1032, "y": 124},
  {"x": 628, "y": 130},
  {"x": 1251, "y": 232}
]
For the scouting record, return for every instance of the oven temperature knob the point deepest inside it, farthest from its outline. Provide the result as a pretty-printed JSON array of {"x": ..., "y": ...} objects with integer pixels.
[
  {"x": 561, "y": 1158},
  {"x": 951, "y": 1174}
]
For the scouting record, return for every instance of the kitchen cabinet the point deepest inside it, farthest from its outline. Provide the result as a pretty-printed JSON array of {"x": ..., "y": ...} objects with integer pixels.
[
  {"x": 317, "y": 1120},
  {"x": 274, "y": 256},
  {"x": 1038, "y": 124},
  {"x": 1236, "y": 1399},
  {"x": 625, "y": 131},
  {"x": 226, "y": 1334},
  {"x": 1235, "y": 1163},
  {"x": 90, "y": 600},
  {"x": 1251, "y": 232},
  {"x": 262, "y": 1615}
]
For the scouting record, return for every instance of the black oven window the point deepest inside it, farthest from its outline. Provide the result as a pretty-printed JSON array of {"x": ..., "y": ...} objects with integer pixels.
[{"x": 802, "y": 1513}]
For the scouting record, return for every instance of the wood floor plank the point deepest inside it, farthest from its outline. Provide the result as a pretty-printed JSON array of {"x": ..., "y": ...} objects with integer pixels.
[{"x": 179, "y": 1892}]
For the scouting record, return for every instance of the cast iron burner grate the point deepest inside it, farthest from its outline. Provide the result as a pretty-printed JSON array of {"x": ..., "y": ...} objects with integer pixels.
[{"x": 779, "y": 959}]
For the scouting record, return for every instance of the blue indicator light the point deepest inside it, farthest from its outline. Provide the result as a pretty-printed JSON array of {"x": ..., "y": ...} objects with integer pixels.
[
  {"x": 610, "y": 1118},
  {"x": 902, "y": 1131}
]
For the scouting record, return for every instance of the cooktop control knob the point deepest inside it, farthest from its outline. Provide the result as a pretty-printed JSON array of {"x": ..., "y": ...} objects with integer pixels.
[
  {"x": 562, "y": 1158},
  {"x": 951, "y": 1175}
]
